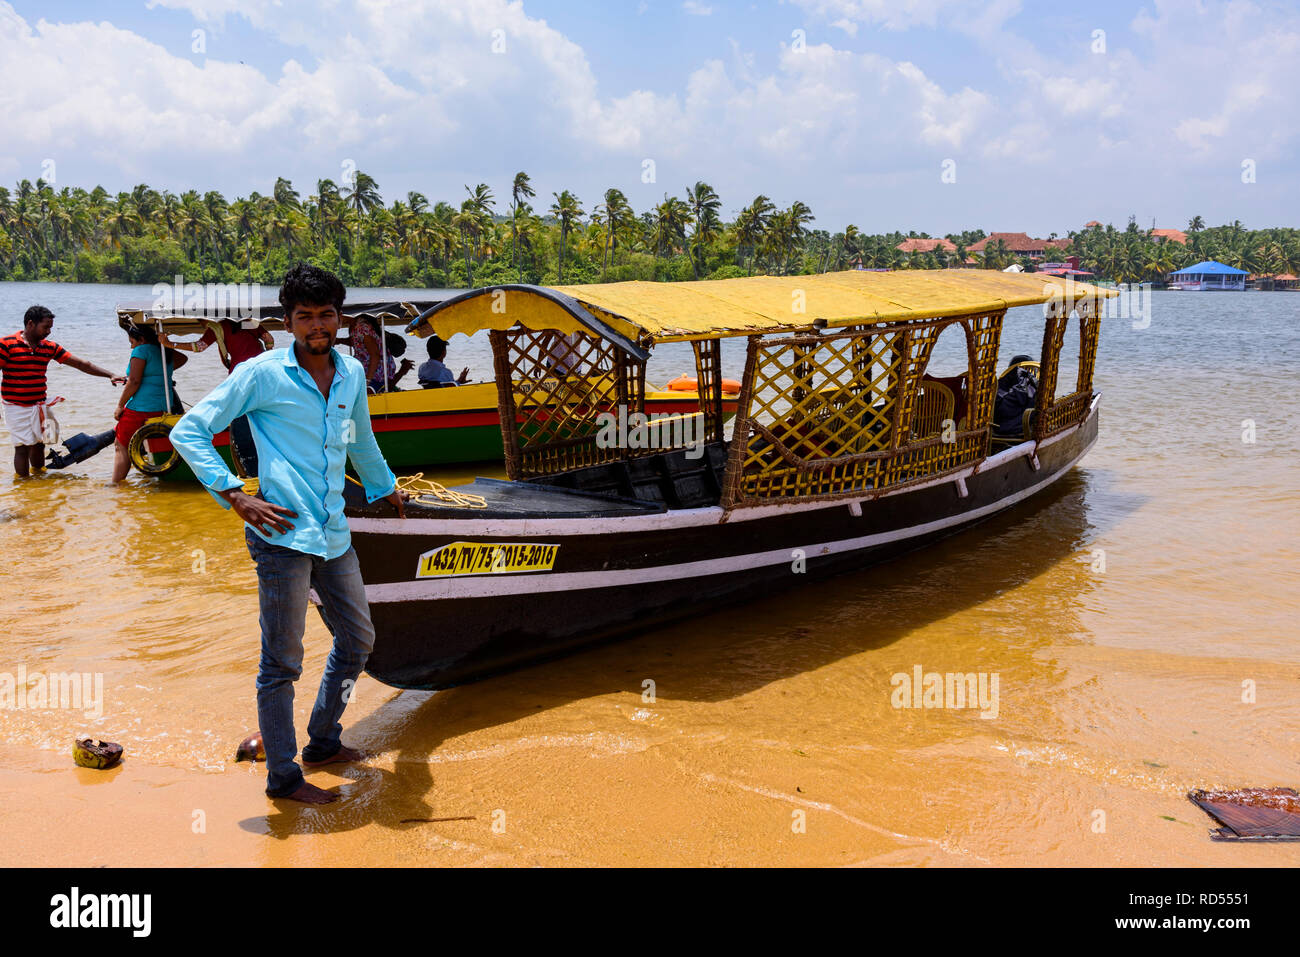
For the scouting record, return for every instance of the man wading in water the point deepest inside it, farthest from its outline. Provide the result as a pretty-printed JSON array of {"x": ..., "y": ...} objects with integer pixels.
[
  {"x": 306, "y": 406},
  {"x": 24, "y": 357}
]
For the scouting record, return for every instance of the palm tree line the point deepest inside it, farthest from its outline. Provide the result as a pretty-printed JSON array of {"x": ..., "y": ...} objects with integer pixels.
[
  {"x": 1134, "y": 255},
  {"x": 148, "y": 235}
]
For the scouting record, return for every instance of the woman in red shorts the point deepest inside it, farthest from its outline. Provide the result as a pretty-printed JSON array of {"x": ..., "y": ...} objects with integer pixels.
[{"x": 145, "y": 395}]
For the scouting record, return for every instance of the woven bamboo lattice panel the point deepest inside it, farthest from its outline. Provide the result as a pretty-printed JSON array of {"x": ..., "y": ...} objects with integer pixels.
[
  {"x": 560, "y": 386},
  {"x": 708, "y": 378},
  {"x": 842, "y": 414},
  {"x": 1055, "y": 414}
]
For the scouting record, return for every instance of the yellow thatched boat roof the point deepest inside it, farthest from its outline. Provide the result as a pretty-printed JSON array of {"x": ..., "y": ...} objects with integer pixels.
[{"x": 648, "y": 312}]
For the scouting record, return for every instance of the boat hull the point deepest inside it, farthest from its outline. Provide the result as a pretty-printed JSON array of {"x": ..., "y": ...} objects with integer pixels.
[{"x": 614, "y": 576}]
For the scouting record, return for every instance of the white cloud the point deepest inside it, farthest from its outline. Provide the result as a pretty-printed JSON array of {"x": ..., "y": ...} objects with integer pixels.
[
  {"x": 974, "y": 15},
  {"x": 413, "y": 92},
  {"x": 697, "y": 9}
]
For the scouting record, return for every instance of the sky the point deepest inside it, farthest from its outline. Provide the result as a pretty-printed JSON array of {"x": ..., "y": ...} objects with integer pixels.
[{"x": 926, "y": 115}]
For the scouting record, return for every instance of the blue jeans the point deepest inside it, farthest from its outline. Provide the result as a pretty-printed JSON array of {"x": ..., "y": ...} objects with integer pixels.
[{"x": 284, "y": 576}]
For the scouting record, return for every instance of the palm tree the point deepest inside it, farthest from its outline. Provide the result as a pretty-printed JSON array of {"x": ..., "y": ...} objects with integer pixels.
[
  {"x": 528, "y": 229},
  {"x": 468, "y": 223},
  {"x": 566, "y": 209},
  {"x": 362, "y": 198},
  {"x": 848, "y": 243},
  {"x": 120, "y": 223},
  {"x": 617, "y": 213},
  {"x": 520, "y": 190},
  {"x": 327, "y": 194},
  {"x": 243, "y": 217},
  {"x": 751, "y": 227},
  {"x": 997, "y": 255},
  {"x": 704, "y": 204},
  {"x": 217, "y": 208},
  {"x": 285, "y": 195},
  {"x": 193, "y": 222}
]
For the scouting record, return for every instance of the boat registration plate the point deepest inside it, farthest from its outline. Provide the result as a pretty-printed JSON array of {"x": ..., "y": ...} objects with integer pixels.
[{"x": 486, "y": 558}]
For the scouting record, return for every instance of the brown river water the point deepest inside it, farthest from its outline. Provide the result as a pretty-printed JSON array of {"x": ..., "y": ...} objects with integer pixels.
[{"x": 1140, "y": 618}]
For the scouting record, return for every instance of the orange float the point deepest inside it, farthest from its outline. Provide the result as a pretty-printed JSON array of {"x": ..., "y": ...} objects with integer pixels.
[{"x": 685, "y": 383}]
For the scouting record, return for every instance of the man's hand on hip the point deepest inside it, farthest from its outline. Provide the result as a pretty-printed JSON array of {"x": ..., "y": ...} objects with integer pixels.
[{"x": 258, "y": 512}]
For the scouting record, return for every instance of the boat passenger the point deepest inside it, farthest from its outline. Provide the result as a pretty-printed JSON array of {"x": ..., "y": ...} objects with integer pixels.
[
  {"x": 366, "y": 346},
  {"x": 237, "y": 345},
  {"x": 1016, "y": 394},
  {"x": 24, "y": 358},
  {"x": 295, "y": 529},
  {"x": 561, "y": 352},
  {"x": 145, "y": 394},
  {"x": 434, "y": 374}
]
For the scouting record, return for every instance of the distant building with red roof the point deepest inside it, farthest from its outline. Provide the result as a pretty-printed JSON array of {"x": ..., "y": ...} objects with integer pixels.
[
  {"x": 1022, "y": 244},
  {"x": 1091, "y": 223},
  {"x": 1170, "y": 235},
  {"x": 926, "y": 246}
]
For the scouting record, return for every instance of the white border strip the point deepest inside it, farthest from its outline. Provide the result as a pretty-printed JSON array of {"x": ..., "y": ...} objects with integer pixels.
[
  {"x": 673, "y": 518},
  {"x": 491, "y": 586}
]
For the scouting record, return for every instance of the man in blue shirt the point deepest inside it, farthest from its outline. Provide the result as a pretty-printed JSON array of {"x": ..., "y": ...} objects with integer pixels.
[
  {"x": 434, "y": 374},
  {"x": 306, "y": 406}
]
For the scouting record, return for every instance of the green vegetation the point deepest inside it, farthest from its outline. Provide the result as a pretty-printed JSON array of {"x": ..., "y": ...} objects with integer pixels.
[{"x": 148, "y": 236}]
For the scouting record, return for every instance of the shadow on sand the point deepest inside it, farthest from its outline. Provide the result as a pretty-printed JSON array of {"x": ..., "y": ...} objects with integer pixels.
[{"x": 723, "y": 654}]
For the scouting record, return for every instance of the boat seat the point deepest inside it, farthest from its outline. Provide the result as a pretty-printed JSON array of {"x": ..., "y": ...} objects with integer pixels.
[
  {"x": 1030, "y": 364},
  {"x": 934, "y": 404},
  {"x": 957, "y": 385},
  {"x": 668, "y": 479},
  {"x": 1004, "y": 440}
]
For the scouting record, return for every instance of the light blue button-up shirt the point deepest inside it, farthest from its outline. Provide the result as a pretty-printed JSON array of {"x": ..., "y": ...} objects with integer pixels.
[{"x": 303, "y": 442}]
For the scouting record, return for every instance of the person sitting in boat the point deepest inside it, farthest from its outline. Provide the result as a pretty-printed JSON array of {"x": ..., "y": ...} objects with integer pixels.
[
  {"x": 561, "y": 352},
  {"x": 235, "y": 344},
  {"x": 145, "y": 394},
  {"x": 434, "y": 374},
  {"x": 382, "y": 371},
  {"x": 1017, "y": 391}
]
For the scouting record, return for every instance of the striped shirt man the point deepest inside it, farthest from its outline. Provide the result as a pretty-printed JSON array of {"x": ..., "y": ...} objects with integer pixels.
[
  {"x": 24, "y": 358},
  {"x": 24, "y": 368}
]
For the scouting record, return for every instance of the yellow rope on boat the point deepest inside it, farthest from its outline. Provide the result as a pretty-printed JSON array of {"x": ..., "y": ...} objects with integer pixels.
[{"x": 427, "y": 492}]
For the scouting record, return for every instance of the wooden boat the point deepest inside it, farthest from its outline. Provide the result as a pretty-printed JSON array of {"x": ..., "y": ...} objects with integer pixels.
[
  {"x": 414, "y": 427},
  {"x": 843, "y": 453}
]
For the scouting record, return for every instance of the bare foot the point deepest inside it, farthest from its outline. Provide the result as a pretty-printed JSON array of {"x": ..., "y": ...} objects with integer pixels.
[
  {"x": 310, "y": 794},
  {"x": 343, "y": 755}
]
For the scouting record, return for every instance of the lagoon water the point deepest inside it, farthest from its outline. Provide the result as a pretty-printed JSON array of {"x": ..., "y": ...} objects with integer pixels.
[{"x": 1142, "y": 619}]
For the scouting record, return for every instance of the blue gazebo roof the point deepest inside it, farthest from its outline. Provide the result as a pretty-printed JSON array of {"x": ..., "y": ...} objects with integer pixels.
[{"x": 1209, "y": 268}]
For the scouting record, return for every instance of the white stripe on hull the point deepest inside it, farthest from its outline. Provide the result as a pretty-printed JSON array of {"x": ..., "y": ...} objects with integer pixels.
[
  {"x": 673, "y": 518},
  {"x": 491, "y": 586}
]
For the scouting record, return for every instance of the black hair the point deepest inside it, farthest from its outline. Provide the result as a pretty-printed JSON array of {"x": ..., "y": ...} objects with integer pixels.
[
  {"x": 36, "y": 314},
  {"x": 307, "y": 285},
  {"x": 1016, "y": 360},
  {"x": 437, "y": 348},
  {"x": 144, "y": 334}
]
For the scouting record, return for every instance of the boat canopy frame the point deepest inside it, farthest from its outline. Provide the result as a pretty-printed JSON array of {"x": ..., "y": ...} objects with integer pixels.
[
  {"x": 834, "y": 399},
  {"x": 199, "y": 316}
]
